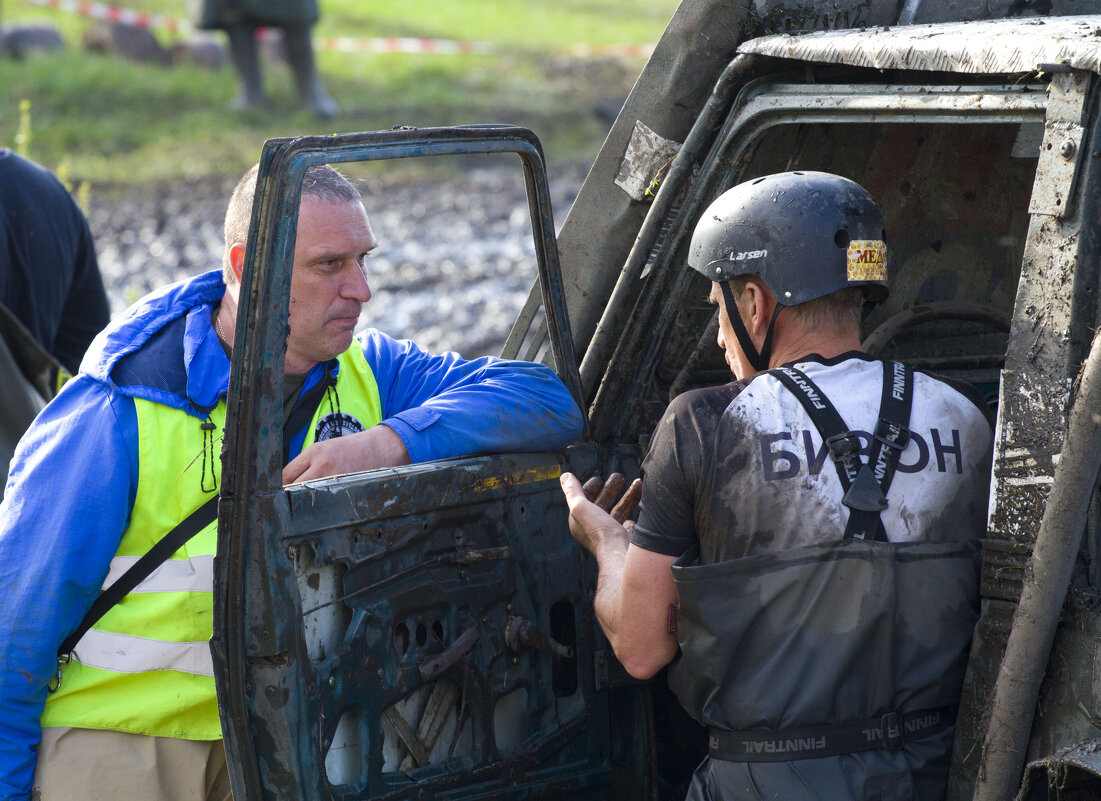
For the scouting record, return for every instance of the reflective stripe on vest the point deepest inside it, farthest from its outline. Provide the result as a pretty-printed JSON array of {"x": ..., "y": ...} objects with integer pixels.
[
  {"x": 125, "y": 653},
  {"x": 176, "y": 575},
  {"x": 145, "y": 666}
]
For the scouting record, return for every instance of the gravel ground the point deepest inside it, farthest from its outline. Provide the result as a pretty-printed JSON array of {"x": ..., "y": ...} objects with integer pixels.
[{"x": 454, "y": 267}]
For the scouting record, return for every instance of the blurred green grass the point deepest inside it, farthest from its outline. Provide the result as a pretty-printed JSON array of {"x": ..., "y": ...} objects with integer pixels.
[{"x": 116, "y": 121}]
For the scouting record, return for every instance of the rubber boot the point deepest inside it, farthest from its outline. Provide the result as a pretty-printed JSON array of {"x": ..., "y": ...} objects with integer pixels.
[
  {"x": 246, "y": 60},
  {"x": 311, "y": 94}
]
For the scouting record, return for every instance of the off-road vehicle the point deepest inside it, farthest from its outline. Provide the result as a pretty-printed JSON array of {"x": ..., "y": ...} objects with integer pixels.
[{"x": 427, "y": 632}]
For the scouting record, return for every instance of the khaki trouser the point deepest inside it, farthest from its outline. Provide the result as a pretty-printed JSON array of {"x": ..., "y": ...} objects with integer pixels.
[{"x": 93, "y": 765}]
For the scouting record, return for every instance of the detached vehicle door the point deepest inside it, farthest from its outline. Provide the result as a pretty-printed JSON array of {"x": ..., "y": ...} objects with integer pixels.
[{"x": 419, "y": 632}]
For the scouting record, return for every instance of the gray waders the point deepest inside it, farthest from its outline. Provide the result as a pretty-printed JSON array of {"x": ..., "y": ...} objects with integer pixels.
[{"x": 830, "y": 671}]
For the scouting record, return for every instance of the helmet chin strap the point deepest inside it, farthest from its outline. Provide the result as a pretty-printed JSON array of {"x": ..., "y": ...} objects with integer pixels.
[{"x": 758, "y": 360}]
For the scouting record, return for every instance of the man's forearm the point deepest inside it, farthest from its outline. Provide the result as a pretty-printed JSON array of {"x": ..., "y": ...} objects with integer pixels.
[
  {"x": 444, "y": 406},
  {"x": 611, "y": 556},
  {"x": 633, "y": 597},
  {"x": 634, "y": 587}
]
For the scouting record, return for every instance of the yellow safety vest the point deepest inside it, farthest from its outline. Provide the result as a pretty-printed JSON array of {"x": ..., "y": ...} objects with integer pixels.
[{"x": 145, "y": 666}]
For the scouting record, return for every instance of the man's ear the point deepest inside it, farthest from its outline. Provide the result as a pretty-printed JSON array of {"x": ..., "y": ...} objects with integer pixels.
[
  {"x": 237, "y": 259},
  {"x": 760, "y": 305}
]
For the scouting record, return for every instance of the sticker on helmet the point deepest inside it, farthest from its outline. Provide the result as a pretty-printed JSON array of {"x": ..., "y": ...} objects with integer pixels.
[
  {"x": 336, "y": 425},
  {"x": 867, "y": 260}
]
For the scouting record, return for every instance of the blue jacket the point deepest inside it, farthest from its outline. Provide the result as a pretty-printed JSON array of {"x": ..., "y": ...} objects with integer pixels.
[{"x": 72, "y": 480}]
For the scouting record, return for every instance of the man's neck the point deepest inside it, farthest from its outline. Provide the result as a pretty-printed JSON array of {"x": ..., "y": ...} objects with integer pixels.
[{"x": 793, "y": 348}]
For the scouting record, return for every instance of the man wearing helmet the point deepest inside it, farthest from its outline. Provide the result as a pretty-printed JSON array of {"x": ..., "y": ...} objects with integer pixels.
[{"x": 807, "y": 535}]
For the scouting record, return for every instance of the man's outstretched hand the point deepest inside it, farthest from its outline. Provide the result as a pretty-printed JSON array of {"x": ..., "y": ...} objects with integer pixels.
[{"x": 598, "y": 513}]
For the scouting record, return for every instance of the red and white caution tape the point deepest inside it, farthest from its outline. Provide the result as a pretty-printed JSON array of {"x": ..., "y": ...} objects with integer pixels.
[
  {"x": 126, "y": 16},
  {"x": 340, "y": 44},
  {"x": 343, "y": 44},
  {"x": 608, "y": 51}
]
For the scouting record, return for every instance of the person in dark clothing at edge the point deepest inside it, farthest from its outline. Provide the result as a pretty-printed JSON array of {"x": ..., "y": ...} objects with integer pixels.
[
  {"x": 52, "y": 300},
  {"x": 49, "y": 276},
  {"x": 808, "y": 536}
]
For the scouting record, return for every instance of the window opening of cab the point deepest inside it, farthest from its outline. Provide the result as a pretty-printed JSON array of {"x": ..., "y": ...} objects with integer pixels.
[
  {"x": 452, "y": 270},
  {"x": 955, "y": 198}
]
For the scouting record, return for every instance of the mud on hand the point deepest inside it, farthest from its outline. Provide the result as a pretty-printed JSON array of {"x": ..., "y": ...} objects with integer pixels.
[{"x": 603, "y": 492}]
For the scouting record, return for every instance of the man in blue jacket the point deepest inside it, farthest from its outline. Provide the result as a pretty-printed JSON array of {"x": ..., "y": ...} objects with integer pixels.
[{"x": 127, "y": 451}]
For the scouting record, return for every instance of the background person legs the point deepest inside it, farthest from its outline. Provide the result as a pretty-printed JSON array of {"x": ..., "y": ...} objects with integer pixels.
[
  {"x": 311, "y": 94},
  {"x": 245, "y": 55}
]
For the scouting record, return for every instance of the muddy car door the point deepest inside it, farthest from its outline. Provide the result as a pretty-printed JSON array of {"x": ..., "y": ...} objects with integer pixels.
[{"x": 416, "y": 632}]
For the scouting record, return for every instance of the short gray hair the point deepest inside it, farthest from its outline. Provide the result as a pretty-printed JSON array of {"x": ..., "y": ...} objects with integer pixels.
[
  {"x": 838, "y": 312},
  {"x": 321, "y": 182}
]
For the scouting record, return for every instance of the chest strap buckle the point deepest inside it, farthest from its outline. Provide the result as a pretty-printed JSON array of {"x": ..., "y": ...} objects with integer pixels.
[
  {"x": 891, "y": 434},
  {"x": 844, "y": 446},
  {"x": 845, "y": 450}
]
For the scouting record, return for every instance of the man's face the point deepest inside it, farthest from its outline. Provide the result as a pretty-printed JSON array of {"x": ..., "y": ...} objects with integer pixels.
[
  {"x": 329, "y": 281},
  {"x": 727, "y": 339}
]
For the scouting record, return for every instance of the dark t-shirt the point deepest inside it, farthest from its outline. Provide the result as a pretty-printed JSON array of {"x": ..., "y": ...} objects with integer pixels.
[
  {"x": 49, "y": 276},
  {"x": 741, "y": 469}
]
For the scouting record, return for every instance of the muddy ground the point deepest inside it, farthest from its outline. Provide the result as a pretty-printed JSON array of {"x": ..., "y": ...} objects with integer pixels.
[{"x": 456, "y": 260}]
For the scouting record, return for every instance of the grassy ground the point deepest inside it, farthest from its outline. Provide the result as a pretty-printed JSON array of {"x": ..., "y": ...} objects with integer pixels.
[{"x": 111, "y": 120}]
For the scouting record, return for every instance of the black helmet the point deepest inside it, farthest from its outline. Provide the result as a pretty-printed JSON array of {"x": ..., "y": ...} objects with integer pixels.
[{"x": 804, "y": 234}]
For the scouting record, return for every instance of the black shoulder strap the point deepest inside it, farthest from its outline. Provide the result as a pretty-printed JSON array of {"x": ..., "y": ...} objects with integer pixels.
[
  {"x": 304, "y": 411},
  {"x": 140, "y": 570},
  {"x": 183, "y": 532},
  {"x": 865, "y": 484},
  {"x": 892, "y": 429}
]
